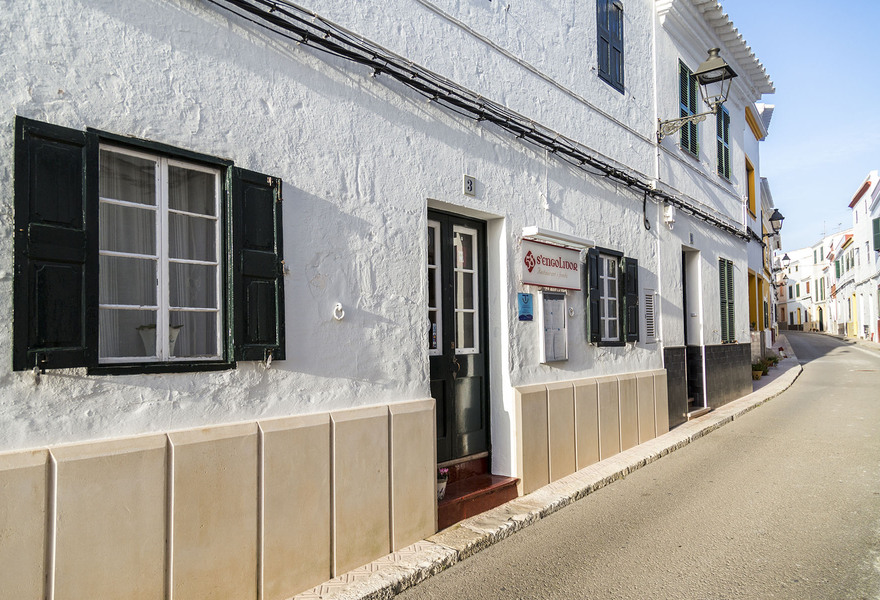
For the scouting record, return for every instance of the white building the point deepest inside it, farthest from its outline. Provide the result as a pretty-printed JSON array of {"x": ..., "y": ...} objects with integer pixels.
[
  {"x": 342, "y": 216},
  {"x": 865, "y": 206}
]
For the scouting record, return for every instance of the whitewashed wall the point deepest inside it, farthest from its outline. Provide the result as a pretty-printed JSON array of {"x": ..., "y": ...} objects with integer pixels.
[{"x": 360, "y": 158}]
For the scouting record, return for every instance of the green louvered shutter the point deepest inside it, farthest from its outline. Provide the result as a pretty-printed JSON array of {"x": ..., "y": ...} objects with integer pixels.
[
  {"x": 604, "y": 39},
  {"x": 722, "y": 128},
  {"x": 55, "y": 287},
  {"x": 687, "y": 91},
  {"x": 631, "y": 299},
  {"x": 731, "y": 305},
  {"x": 722, "y": 280},
  {"x": 592, "y": 271},
  {"x": 876, "y": 224},
  {"x": 258, "y": 269}
]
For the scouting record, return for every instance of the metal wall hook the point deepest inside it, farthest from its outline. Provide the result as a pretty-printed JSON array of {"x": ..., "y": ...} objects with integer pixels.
[{"x": 338, "y": 313}]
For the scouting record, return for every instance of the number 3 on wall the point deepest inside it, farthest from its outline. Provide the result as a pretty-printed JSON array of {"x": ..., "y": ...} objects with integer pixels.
[{"x": 470, "y": 186}]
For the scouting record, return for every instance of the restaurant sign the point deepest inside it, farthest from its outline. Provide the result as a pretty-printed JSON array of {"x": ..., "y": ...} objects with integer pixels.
[{"x": 550, "y": 266}]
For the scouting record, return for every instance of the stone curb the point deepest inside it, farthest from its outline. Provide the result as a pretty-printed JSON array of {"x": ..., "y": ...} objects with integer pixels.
[{"x": 401, "y": 570}]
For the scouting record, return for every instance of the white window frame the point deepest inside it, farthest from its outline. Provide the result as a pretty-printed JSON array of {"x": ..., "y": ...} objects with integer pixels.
[
  {"x": 475, "y": 263},
  {"x": 609, "y": 281},
  {"x": 163, "y": 306},
  {"x": 434, "y": 272}
]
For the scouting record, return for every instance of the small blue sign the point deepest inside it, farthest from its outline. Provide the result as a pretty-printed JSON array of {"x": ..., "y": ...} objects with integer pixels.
[{"x": 525, "y": 307}]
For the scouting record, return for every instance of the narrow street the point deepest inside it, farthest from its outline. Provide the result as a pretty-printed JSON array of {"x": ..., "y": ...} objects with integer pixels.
[{"x": 782, "y": 503}]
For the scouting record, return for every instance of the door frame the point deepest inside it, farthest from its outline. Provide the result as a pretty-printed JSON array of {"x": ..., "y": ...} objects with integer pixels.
[{"x": 446, "y": 446}]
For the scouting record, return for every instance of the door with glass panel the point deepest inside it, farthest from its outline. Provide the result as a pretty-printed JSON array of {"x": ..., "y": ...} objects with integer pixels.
[
  {"x": 159, "y": 259},
  {"x": 457, "y": 339}
]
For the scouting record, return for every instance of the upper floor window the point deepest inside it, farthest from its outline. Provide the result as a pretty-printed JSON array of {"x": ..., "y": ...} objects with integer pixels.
[
  {"x": 133, "y": 256},
  {"x": 722, "y": 130},
  {"x": 609, "y": 21},
  {"x": 687, "y": 94},
  {"x": 750, "y": 188}
]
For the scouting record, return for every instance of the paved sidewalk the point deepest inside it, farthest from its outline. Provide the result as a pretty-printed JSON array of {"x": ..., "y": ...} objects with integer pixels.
[{"x": 400, "y": 570}]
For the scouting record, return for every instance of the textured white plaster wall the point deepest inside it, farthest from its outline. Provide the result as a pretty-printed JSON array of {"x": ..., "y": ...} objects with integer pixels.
[{"x": 359, "y": 158}]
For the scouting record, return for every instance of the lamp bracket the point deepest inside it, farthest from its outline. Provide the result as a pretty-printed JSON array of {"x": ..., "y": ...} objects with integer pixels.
[{"x": 672, "y": 125}]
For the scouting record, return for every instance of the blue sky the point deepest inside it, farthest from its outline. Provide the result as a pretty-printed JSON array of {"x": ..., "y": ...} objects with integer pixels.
[{"x": 824, "y": 59}]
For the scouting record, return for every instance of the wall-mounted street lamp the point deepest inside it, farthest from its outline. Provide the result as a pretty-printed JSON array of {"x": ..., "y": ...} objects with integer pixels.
[
  {"x": 714, "y": 77},
  {"x": 786, "y": 261},
  {"x": 776, "y": 220}
]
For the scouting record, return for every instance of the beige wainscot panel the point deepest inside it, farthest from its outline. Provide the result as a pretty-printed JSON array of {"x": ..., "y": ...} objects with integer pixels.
[
  {"x": 647, "y": 415},
  {"x": 214, "y": 514},
  {"x": 296, "y": 504},
  {"x": 110, "y": 519},
  {"x": 609, "y": 417},
  {"x": 586, "y": 398},
  {"x": 661, "y": 402},
  {"x": 361, "y": 488},
  {"x": 533, "y": 449},
  {"x": 629, "y": 411},
  {"x": 560, "y": 408},
  {"x": 413, "y": 472},
  {"x": 23, "y": 524}
]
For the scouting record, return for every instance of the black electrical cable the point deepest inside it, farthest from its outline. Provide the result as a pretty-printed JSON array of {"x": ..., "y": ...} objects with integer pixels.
[{"x": 334, "y": 40}]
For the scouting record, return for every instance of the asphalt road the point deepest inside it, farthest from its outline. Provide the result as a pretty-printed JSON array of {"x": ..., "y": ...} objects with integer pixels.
[{"x": 782, "y": 503}]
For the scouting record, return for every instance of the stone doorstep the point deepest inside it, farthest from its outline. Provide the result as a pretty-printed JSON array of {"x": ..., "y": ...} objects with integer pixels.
[{"x": 398, "y": 571}]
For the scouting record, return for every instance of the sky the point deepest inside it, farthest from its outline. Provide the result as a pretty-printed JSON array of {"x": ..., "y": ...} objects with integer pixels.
[{"x": 824, "y": 139}]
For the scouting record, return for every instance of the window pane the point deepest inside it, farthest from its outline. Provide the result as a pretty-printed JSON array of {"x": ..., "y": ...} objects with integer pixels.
[
  {"x": 191, "y": 238},
  {"x": 196, "y": 334},
  {"x": 612, "y": 329},
  {"x": 431, "y": 249},
  {"x": 464, "y": 330},
  {"x": 127, "y": 281},
  {"x": 432, "y": 288},
  {"x": 129, "y": 178},
  {"x": 432, "y": 330},
  {"x": 192, "y": 191},
  {"x": 192, "y": 286},
  {"x": 464, "y": 290},
  {"x": 464, "y": 244},
  {"x": 127, "y": 333},
  {"x": 127, "y": 229}
]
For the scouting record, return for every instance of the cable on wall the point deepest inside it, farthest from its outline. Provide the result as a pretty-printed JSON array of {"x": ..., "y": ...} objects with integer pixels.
[{"x": 301, "y": 26}]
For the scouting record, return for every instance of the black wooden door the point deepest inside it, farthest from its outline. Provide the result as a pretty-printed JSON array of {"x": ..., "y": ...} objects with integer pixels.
[{"x": 457, "y": 338}]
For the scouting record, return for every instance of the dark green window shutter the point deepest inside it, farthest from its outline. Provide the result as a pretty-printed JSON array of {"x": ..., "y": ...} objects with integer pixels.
[
  {"x": 687, "y": 91},
  {"x": 876, "y": 225},
  {"x": 722, "y": 128},
  {"x": 257, "y": 268},
  {"x": 728, "y": 314},
  {"x": 731, "y": 304},
  {"x": 604, "y": 39},
  {"x": 593, "y": 270},
  {"x": 609, "y": 27},
  {"x": 837, "y": 268},
  {"x": 631, "y": 299},
  {"x": 55, "y": 297},
  {"x": 722, "y": 278}
]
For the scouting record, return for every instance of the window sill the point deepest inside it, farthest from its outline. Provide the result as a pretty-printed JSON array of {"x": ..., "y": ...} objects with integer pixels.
[
  {"x": 688, "y": 153},
  {"x": 611, "y": 344},
  {"x": 147, "y": 368}
]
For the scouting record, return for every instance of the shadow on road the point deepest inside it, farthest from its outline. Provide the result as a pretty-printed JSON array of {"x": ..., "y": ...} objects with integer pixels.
[{"x": 810, "y": 346}]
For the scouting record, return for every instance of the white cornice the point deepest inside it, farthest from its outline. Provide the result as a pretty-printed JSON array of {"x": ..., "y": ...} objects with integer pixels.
[{"x": 736, "y": 50}]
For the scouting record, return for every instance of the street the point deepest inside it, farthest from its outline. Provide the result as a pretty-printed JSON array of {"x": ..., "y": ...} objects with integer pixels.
[{"x": 782, "y": 503}]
